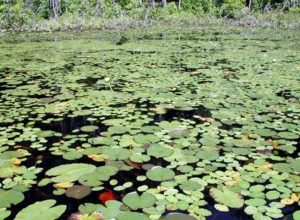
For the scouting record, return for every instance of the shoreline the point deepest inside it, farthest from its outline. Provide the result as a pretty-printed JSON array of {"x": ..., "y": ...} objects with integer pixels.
[{"x": 71, "y": 22}]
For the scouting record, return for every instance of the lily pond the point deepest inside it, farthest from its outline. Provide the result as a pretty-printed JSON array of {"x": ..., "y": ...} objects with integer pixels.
[{"x": 161, "y": 124}]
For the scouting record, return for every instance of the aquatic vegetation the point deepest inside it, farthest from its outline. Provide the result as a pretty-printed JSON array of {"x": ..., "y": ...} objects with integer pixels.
[{"x": 166, "y": 125}]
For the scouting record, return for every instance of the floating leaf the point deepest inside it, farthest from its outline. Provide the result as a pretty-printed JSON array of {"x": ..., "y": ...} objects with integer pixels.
[
  {"x": 288, "y": 135},
  {"x": 191, "y": 185},
  {"x": 272, "y": 195},
  {"x": 296, "y": 215},
  {"x": 136, "y": 201},
  {"x": 69, "y": 172},
  {"x": 89, "y": 207},
  {"x": 159, "y": 151},
  {"x": 89, "y": 128},
  {"x": 4, "y": 213},
  {"x": 117, "y": 153},
  {"x": 10, "y": 197},
  {"x": 118, "y": 129},
  {"x": 255, "y": 202},
  {"x": 132, "y": 215},
  {"x": 221, "y": 208},
  {"x": 179, "y": 133},
  {"x": 160, "y": 174},
  {"x": 287, "y": 201},
  {"x": 250, "y": 210},
  {"x": 227, "y": 197},
  {"x": 146, "y": 138},
  {"x": 78, "y": 191},
  {"x": 41, "y": 210}
]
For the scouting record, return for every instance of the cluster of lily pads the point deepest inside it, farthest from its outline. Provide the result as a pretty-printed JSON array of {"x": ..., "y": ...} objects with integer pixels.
[{"x": 180, "y": 125}]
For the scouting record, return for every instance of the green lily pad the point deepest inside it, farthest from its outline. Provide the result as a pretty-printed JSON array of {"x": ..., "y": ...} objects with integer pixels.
[
  {"x": 251, "y": 210},
  {"x": 131, "y": 216},
  {"x": 160, "y": 174},
  {"x": 179, "y": 133},
  {"x": 272, "y": 195},
  {"x": 90, "y": 207},
  {"x": 136, "y": 201},
  {"x": 44, "y": 133},
  {"x": 169, "y": 125},
  {"x": 70, "y": 172},
  {"x": 255, "y": 202},
  {"x": 111, "y": 210},
  {"x": 191, "y": 186},
  {"x": 296, "y": 215},
  {"x": 221, "y": 208},
  {"x": 150, "y": 129},
  {"x": 89, "y": 128},
  {"x": 4, "y": 213},
  {"x": 117, "y": 153},
  {"x": 265, "y": 132},
  {"x": 159, "y": 151},
  {"x": 41, "y": 210},
  {"x": 72, "y": 155},
  {"x": 118, "y": 129},
  {"x": 10, "y": 197},
  {"x": 288, "y": 135},
  {"x": 146, "y": 138},
  {"x": 100, "y": 174},
  {"x": 227, "y": 197}
]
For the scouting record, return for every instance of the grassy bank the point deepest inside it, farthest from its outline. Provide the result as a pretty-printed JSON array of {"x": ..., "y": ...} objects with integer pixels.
[{"x": 75, "y": 22}]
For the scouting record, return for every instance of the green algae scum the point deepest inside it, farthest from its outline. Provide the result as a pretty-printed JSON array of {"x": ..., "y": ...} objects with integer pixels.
[{"x": 159, "y": 124}]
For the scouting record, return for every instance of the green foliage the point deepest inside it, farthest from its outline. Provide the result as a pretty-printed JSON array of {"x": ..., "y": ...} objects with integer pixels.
[
  {"x": 198, "y": 6},
  {"x": 41, "y": 8},
  {"x": 13, "y": 14},
  {"x": 259, "y": 4},
  {"x": 231, "y": 8}
]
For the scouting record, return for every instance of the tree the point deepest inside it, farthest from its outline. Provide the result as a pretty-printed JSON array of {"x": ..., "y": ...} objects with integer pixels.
[
  {"x": 54, "y": 6},
  {"x": 164, "y": 3},
  {"x": 151, "y": 3}
]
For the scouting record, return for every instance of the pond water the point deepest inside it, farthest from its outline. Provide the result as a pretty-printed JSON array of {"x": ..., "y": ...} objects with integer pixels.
[{"x": 157, "y": 123}]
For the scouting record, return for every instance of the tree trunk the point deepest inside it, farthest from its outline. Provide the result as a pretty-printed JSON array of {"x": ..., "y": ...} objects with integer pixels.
[
  {"x": 179, "y": 4},
  {"x": 151, "y": 3},
  {"x": 98, "y": 4},
  {"x": 164, "y": 3},
  {"x": 140, "y": 3},
  {"x": 98, "y": 7},
  {"x": 28, "y": 3},
  {"x": 54, "y": 6}
]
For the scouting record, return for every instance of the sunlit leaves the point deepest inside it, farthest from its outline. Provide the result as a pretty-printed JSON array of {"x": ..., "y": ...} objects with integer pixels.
[{"x": 41, "y": 210}]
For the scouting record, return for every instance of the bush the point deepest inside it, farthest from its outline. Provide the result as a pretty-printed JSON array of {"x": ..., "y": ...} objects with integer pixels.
[
  {"x": 231, "y": 8},
  {"x": 12, "y": 14}
]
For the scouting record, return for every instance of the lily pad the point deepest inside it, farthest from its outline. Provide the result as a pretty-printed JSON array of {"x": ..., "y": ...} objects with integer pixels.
[
  {"x": 288, "y": 135},
  {"x": 41, "y": 210},
  {"x": 10, "y": 197},
  {"x": 78, "y": 191},
  {"x": 136, "y": 201},
  {"x": 272, "y": 195},
  {"x": 159, "y": 151},
  {"x": 160, "y": 174},
  {"x": 131, "y": 216},
  {"x": 227, "y": 197},
  {"x": 70, "y": 172},
  {"x": 89, "y": 128}
]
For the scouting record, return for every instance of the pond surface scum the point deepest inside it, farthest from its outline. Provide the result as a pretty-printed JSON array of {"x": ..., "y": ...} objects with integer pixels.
[{"x": 188, "y": 123}]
